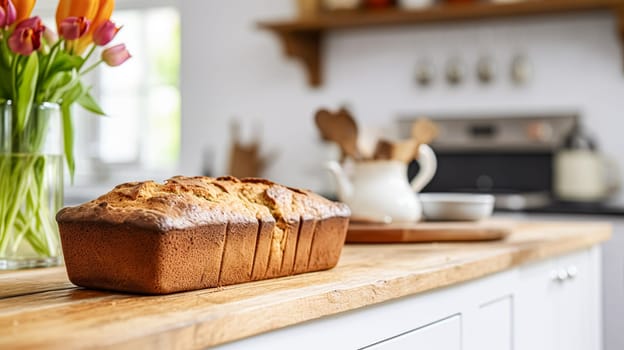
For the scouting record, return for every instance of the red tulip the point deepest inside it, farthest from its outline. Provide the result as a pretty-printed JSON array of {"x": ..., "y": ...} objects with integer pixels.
[
  {"x": 72, "y": 28},
  {"x": 105, "y": 33},
  {"x": 115, "y": 55},
  {"x": 26, "y": 37},
  {"x": 8, "y": 14}
]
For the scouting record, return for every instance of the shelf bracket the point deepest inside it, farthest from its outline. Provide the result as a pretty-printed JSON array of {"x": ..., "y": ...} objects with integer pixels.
[
  {"x": 619, "y": 18},
  {"x": 306, "y": 47}
]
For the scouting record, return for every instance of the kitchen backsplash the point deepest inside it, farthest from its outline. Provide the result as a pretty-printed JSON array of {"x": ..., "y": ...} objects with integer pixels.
[{"x": 240, "y": 71}]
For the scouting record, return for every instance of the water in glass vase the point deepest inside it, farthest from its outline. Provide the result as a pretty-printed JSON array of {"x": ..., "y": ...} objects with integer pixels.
[{"x": 31, "y": 188}]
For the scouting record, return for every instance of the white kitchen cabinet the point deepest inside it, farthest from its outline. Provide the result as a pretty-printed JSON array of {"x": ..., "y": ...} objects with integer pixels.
[
  {"x": 535, "y": 309},
  {"x": 609, "y": 274},
  {"x": 551, "y": 304},
  {"x": 558, "y": 303},
  {"x": 573, "y": 303}
]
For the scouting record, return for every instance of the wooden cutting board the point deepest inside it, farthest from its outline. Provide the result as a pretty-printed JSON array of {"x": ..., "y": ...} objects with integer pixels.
[{"x": 427, "y": 232}]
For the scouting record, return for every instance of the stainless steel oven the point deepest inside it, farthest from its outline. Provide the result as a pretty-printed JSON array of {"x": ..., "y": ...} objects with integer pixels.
[{"x": 510, "y": 156}]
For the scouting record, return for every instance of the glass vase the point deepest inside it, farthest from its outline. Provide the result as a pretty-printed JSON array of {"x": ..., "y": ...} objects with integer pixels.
[{"x": 31, "y": 186}]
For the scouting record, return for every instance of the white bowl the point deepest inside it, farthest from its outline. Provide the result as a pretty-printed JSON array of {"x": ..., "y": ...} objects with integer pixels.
[{"x": 456, "y": 206}]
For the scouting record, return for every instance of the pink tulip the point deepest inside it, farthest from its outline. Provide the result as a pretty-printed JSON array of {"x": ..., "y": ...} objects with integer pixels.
[
  {"x": 105, "y": 33},
  {"x": 26, "y": 37},
  {"x": 73, "y": 28},
  {"x": 115, "y": 55},
  {"x": 8, "y": 14}
]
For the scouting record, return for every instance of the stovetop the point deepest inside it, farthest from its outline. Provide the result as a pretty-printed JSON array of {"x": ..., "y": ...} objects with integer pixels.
[{"x": 579, "y": 208}]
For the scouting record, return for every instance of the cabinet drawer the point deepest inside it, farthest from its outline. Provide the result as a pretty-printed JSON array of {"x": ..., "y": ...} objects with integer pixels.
[{"x": 441, "y": 335}]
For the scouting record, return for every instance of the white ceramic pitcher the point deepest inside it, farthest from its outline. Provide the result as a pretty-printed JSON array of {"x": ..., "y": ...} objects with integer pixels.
[{"x": 378, "y": 190}]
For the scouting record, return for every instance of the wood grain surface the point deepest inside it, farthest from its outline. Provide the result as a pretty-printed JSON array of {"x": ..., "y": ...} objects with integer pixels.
[
  {"x": 40, "y": 309},
  {"x": 428, "y": 232}
]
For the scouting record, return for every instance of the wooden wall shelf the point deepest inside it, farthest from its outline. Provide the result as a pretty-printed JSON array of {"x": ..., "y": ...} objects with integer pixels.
[{"x": 302, "y": 38}]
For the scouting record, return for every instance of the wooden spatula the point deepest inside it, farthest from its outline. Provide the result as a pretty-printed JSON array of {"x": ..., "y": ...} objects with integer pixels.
[{"x": 339, "y": 127}]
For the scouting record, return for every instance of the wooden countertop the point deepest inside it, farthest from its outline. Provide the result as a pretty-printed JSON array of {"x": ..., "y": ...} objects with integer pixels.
[{"x": 40, "y": 308}]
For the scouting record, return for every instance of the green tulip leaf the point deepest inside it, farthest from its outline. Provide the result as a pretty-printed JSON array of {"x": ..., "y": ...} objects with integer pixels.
[
  {"x": 25, "y": 88},
  {"x": 66, "y": 62},
  {"x": 68, "y": 139},
  {"x": 88, "y": 102},
  {"x": 5, "y": 55},
  {"x": 69, "y": 97},
  {"x": 58, "y": 84},
  {"x": 5, "y": 84}
]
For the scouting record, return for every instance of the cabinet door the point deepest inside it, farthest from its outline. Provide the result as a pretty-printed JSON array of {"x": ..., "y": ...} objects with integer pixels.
[
  {"x": 441, "y": 335},
  {"x": 574, "y": 317},
  {"x": 555, "y": 305},
  {"x": 494, "y": 324},
  {"x": 535, "y": 311}
]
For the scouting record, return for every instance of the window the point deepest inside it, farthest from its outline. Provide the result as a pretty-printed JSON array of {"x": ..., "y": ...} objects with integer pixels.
[
  {"x": 140, "y": 136},
  {"x": 142, "y": 96}
]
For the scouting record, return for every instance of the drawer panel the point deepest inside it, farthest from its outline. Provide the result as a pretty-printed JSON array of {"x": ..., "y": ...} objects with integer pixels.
[{"x": 441, "y": 335}]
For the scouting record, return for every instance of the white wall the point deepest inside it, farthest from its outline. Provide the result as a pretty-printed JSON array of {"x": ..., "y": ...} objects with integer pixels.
[{"x": 229, "y": 68}]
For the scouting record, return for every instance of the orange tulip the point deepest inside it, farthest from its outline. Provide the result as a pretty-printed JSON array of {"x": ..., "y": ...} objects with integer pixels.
[
  {"x": 23, "y": 8},
  {"x": 76, "y": 8},
  {"x": 105, "y": 10}
]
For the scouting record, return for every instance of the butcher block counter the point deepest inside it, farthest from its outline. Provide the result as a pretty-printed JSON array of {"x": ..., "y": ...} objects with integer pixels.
[{"x": 41, "y": 309}]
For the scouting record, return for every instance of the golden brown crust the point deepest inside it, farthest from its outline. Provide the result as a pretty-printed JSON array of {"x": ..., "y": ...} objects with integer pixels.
[
  {"x": 185, "y": 202},
  {"x": 198, "y": 232}
]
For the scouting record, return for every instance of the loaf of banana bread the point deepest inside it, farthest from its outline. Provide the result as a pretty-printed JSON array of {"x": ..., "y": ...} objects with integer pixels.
[{"x": 199, "y": 232}]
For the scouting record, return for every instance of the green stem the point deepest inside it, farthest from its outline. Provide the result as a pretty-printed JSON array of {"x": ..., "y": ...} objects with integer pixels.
[
  {"x": 22, "y": 225},
  {"x": 91, "y": 67},
  {"x": 25, "y": 214},
  {"x": 87, "y": 57},
  {"x": 53, "y": 52},
  {"x": 14, "y": 68},
  {"x": 21, "y": 181}
]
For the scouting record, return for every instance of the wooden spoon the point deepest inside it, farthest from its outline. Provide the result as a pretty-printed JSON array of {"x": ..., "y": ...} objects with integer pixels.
[
  {"x": 339, "y": 127},
  {"x": 423, "y": 132},
  {"x": 403, "y": 151}
]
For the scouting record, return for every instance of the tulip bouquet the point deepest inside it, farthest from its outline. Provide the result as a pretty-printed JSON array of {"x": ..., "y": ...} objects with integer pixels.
[{"x": 39, "y": 66}]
